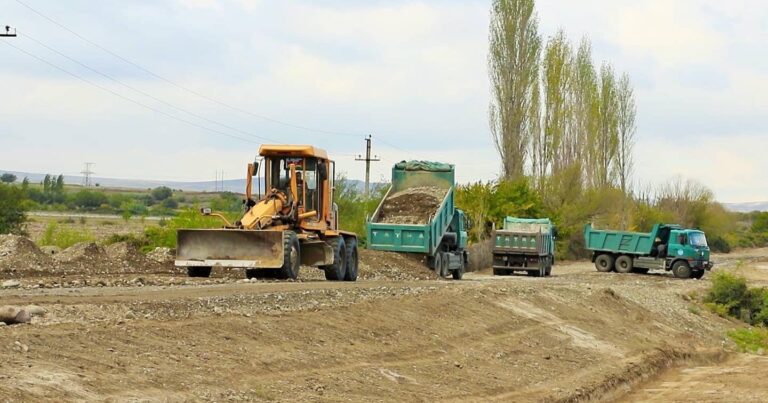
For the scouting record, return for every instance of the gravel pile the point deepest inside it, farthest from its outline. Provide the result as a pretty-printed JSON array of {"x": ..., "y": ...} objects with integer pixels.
[
  {"x": 379, "y": 265},
  {"x": 412, "y": 206},
  {"x": 162, "y": 255},
  {"x": 20, "y": 256}
]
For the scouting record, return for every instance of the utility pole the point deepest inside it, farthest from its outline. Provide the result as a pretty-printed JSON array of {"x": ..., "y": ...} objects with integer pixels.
[
  {"x": 87, "y": 172},
  {"x": 367, "y": 160},
  {"x": 8, "y": 33}
]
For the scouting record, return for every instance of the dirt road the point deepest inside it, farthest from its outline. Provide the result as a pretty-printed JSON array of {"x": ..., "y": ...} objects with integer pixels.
[{"x": 577, "y": 336}]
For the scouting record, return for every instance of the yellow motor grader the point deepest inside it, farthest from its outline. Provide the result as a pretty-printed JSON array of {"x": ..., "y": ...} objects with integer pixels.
[{"x": 294, "y": 223}]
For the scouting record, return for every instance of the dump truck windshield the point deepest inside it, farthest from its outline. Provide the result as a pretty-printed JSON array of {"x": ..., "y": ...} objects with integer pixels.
[{"x": 697, "y": 239}]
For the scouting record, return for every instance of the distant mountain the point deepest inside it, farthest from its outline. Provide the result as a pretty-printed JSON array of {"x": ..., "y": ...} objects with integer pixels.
[
  {"x": 747, "y": 207},
  {"x": 229, "y": 185}
]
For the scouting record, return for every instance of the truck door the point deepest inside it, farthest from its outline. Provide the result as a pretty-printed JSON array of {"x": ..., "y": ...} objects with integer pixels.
[{"x": 677, "y": 242}]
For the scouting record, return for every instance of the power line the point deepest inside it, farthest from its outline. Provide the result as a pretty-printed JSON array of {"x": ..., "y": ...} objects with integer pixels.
[
  {"x": 168, "y": 115},
  {"x": 87, "y": 172},
  {"x": 132, "y": 88},
  {"x": 188, "y": 90}
]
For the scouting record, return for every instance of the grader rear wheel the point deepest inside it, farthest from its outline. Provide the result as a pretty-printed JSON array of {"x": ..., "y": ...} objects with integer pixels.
[{"x": 337, "y": 270}]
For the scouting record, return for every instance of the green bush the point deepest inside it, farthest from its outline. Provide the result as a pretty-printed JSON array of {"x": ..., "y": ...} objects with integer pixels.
[
  {"x": 730, "y": 295},
  {"x": 88, "y": 199},
  {"x": 751, "y": 340},
  {"x": 12, "y": 210},
  {"x": 64, "y": 237},
  {"x": 161, "y": 193}
]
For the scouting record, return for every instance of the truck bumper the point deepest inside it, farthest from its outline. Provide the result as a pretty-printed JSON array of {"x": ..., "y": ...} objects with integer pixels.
[{"x": 705, "y": 265}]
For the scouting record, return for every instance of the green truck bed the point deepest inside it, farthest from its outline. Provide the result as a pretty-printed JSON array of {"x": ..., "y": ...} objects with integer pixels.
[
  {"x": 634, "y": 243},
  {"x": 417, "y": 238}
]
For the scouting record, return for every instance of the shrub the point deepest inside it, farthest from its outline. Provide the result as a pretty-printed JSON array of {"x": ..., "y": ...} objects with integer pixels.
[
  {"x": 751, "y": 340},
  {"x": 64, "y": 237},
  {"x": 161, "y": 193},
  {"x": 727, "y": 291},
  {"x": 12, "y": 210}
]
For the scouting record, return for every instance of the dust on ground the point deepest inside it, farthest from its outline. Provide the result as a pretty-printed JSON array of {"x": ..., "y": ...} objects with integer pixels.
[{"x": 411, "y": 206}]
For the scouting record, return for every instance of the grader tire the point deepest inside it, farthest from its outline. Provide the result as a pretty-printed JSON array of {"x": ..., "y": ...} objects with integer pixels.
[
  {"x": 352, "y": 261},
  {"x": 337, "y": 270},
  {"x": 291, "y": 257}
]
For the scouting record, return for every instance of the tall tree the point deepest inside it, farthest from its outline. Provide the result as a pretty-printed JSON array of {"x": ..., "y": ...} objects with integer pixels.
[
  {"x": 47, "y": 184},
  {"x": 627, "y": 112},
  {"x": 557, "y": 105},
  {"x": 58, "y": 187},
  {"x": 586, "y": 107},
  {"x": 607, "y": 140},
  {"x": 515, "y": 48}
]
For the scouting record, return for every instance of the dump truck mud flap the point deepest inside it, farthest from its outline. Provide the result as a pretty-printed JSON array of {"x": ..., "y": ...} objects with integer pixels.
[{"x": 229, "y": 248}]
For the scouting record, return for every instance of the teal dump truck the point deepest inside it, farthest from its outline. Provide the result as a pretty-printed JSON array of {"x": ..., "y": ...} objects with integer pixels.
[
  {"x": 524, "y": 244},
  {"x": 667, "y": 247},
  {"x": 418, "y": 215}
]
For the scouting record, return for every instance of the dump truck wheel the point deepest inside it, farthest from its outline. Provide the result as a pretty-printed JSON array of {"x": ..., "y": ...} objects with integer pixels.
[
  {"x": 549, "y": 266},
  {"x": 199, "y": 271},
  {"x": 337, "y": 270},
  {"x": 697, "y": 274},
  {"x": 291, "y": 257},
  {"x": 438, "y": 263},
  {"x": 446, "y": 265},
  {"x": 352, "y": 261},
  {"x": 624, "y": 264},
  {"x": 681, "y": 269},
  {"x": 458, "y": 273},
  {"x": 604, "y": 263}
]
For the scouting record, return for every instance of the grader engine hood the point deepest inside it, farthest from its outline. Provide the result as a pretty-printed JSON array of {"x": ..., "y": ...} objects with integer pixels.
[{"x": 229, "y": 248}]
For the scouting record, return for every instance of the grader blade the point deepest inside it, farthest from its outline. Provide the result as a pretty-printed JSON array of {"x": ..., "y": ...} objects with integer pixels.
[{"x": 229, "y": 248}]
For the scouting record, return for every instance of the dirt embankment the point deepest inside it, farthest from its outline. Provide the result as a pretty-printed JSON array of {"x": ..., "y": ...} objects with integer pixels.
[
  {"x": 412, "y": 206},
  {"x": 473, "y": 340}
]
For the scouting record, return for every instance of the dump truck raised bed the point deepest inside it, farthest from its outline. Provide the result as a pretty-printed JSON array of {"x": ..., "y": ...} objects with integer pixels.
[
  {"x": 418, "y": 215},
  {"x": 667, "y": 247},
  {"x": 524, "y": 244}
]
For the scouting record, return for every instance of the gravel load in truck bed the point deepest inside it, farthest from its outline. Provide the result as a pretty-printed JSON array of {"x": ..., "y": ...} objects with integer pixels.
[{"x": 412, "y": 206}]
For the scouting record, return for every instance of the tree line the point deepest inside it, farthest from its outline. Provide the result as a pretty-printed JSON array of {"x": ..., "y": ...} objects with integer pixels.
[{"x": 552, "y": 111}]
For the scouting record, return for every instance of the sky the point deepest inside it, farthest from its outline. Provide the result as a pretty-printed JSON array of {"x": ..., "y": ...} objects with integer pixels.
[{"x": 180, "y": 89}]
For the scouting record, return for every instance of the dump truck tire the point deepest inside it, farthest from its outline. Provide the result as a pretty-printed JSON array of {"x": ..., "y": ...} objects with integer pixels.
[
  {"x": 681, "y": 269},
  {"x": 457, "y": 273},
  {"x": 337, "y": 270},
  {"x": 438, "y": 262},
  {"x": 624, "y": 264},
  {"x": 199, "y": 271},
  {"x": 352, "y": 260},
  {"x": 291, "y": 257},
  {"x": 604, "y": 263}
]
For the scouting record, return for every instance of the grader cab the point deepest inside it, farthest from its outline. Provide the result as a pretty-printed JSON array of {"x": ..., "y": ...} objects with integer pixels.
[{"x": 293, "y": 223}]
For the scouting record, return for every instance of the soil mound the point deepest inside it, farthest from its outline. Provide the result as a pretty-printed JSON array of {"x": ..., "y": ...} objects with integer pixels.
[
  {"x": 126, "y": 254},
  {"x": 379, "y": 265},
  {"x": 162, "y": 255},
  {"x": 412, "y": 206},
  {"x": 19, "y": 255},
  {"x": 89, "y": 253}
]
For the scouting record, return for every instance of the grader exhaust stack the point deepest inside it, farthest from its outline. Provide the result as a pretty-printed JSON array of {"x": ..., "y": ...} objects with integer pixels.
[{"x": 293, "y": 224}]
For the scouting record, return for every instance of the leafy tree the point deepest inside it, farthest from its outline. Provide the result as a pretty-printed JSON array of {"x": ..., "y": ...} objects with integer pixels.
[
  {"x": 89, "y": 199},
  {"x": 12, "y": 210},
  {"x": 515, "y": 47},
  {"x": 161, "y": 193},
  {"x": 47, "y": 184},
  {"x": 7, "y": 178},
  {"x": 760, "y": 222},
  {"x": 25, "y": 183},
  {"x": 58, "y": 186}
]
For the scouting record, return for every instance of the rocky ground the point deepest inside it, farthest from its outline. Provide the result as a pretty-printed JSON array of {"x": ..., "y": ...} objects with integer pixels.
[{"x": 117, "y": 331}]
